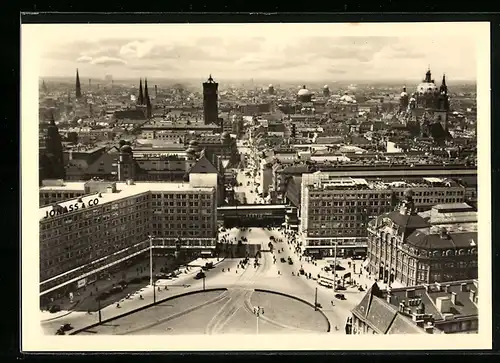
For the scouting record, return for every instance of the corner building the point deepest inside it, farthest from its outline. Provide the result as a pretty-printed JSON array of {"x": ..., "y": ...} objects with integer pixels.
[
  {"x": 405, "y": 248},
  {"x": 82, "y": 237}
]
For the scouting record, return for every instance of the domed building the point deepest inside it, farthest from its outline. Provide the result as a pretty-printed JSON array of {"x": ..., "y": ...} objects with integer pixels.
[
  {"x": 429, "y": 102},
  {"x": 346, "y": 98},
  {"x": 270, "y": 89},
  {"x": 326, "y": 91},
  {"x": 304, "y": 95}
]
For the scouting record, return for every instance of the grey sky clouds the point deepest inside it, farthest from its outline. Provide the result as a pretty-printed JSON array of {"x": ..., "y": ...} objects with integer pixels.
[{"x": 249, "y": 51}]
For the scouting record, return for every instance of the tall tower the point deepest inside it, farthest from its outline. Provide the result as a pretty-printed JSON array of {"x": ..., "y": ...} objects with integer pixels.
[
  {"x": 78, "y": 87},
  {"x": 53, "y": 146},
  {"x": 147, "y": 100},
  {"x": 442, "y": 105},
  {"x": 210, "y": 101},
  {"x": 156, "y": 91},
  {"x": 140, "y": 99}
]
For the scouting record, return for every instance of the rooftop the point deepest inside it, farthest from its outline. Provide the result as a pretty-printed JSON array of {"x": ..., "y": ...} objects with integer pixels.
[{"x": 124, "y": 190}]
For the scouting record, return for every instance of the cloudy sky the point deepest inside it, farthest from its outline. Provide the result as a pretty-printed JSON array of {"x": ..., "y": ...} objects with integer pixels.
[{"x": 261, "y": 51}]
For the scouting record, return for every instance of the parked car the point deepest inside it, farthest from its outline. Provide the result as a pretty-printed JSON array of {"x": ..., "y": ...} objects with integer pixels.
[
  {"x": 340, "y": 287},
  {"x": 199, "y": 275},
  {"x": 340, "y": 296},
  {"x": 66, "y": 327},
  {"x": 54, "y": 309},
  {"x": 282, "y": 259}
]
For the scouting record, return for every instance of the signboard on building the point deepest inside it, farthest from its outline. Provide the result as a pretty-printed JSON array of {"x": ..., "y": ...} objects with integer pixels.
[{"x": 81, "y": 283}]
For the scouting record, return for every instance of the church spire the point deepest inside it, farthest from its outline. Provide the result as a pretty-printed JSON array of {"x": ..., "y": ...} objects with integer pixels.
[
  {"x": 146, "y": 99},
  {"x": 444, "y": 87},
  {"x": 78, "y": 87},
  {"x": 44, "y": 86},
  {"x": 140, "y": 100}
]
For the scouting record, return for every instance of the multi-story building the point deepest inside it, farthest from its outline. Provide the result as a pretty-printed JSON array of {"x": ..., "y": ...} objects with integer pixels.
[
  {"x": 334, "y": 212},
  {"x": 429, "y": 192},
  {"x": 434, "y": 309},
  {"x": 406, "y": 248},
  {"x": 113, "y": 222},
  {"x": 57, "y": 190}
]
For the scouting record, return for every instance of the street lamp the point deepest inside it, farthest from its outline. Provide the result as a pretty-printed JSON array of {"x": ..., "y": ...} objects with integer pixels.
[
  {"x": 258, "y": 310},
  {"x": 150, "y": 260},
  {"x": 335, "y": 267},
  {"x": 99, "y": 308}
]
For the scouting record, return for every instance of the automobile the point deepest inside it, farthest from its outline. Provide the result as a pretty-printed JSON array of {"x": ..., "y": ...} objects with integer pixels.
[
  {"x": 162, "y": 275},
  {"x": 327, "y": 268},
  {"x": 318, "y": 305},
  {"x": 340, "y": 287},
  {"x": 340, "y": 296},
  {"x": 290, "y": 262},
  {"x": 115, "y": 289},
  {"x": 123, "y": 283},
  {"x": 66, "y": 327},
  {"x": 60, "y": 332},
  {"x": 360, "y": 288},
  {"x": 54, "y": 309},
  {"x": 282, "y": 259},
  {"x": 199, "y": 275},
  {"x": 301, "y": 271}
]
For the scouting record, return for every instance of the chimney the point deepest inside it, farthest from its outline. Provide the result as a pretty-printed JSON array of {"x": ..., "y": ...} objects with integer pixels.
[
  {"x": 463, "y": 287},
  {"x": 401, "y": 306},
  {"x": 443, "y": 234},
  {"x": 429, "y": 327},
  {"x": 472, "y": 296},
  {"x": 454, "y": 298},
  {"x": 447, "y": 288},
  {"x": 438, "y": 287}
]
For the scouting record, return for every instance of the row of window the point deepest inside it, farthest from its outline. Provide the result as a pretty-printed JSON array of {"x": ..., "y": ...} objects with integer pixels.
[{"x": 341, "y": 196}]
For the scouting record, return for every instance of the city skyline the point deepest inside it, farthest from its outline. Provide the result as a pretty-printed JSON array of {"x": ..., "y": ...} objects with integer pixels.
[{"x": 253, "y": 51}]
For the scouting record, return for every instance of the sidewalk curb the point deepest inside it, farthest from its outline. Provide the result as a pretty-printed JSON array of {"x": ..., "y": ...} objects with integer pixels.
[
  {"x": 133, "y": 311},
  {"x": 72, "y": 310}
]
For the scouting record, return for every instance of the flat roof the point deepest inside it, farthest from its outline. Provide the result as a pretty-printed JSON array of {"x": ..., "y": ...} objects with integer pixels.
[
  {"x": 123, "y": 190},
  {"x": 254, "y": 207},
  {"x": 67, "y": 186}
]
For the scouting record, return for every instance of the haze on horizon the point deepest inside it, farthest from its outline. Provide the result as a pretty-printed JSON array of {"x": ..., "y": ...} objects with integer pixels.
[{"x": 287, "y": 52}]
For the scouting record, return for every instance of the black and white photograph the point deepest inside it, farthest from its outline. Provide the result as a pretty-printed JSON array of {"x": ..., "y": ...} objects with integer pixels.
[{"x": 256, "y": 186}]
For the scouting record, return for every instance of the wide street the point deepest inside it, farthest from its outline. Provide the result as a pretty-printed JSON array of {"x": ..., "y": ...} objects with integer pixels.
[
  {"x": 248, "y": 182},
  {"x": 270, "y": 275}
]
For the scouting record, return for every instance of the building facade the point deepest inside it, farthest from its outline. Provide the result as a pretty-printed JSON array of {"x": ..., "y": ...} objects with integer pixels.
[
  {"x": 83, "y": 236},
  {"x": 335, "y": 212},
  {"x": 404, "y": 247}
]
